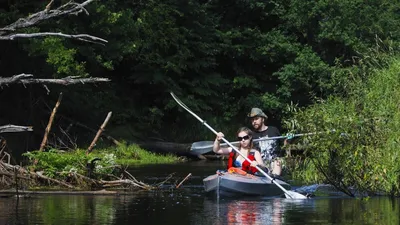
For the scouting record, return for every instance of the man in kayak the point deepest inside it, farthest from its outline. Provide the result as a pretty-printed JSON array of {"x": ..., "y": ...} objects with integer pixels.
[{"x": 270, "y": 149}]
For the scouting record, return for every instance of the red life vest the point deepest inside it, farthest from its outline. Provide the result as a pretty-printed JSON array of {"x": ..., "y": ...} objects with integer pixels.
[{"x": 245, "y": 165}]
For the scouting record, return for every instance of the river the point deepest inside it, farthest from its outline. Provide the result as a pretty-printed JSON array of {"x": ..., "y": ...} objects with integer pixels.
[{"x": 190, "y": 205}]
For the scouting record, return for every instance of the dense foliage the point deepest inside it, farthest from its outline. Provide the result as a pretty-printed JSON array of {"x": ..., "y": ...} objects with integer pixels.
[
  {"x": 361, "y": 157},
  {"x": 221, "y": 57}
]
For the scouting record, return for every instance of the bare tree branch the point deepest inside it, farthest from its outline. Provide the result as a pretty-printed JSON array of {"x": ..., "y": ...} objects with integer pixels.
[
  {"x": 70, "y": 8},
  {"x": 14, "y": 79},
  {"x": 14, "y": 128},
  {"x": 99, "y": 133},
  {"x": 26, "y": 79},
  {"x": 81, "y": 37}
]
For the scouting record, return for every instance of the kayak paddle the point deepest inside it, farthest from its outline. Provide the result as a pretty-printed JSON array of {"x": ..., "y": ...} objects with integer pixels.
[{"x": 202, "y": 147}]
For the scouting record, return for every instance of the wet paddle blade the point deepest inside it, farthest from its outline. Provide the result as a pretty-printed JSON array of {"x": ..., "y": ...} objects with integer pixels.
[
  {"x": 202, "y": 147},
  {"x": 294, "y": 195}
]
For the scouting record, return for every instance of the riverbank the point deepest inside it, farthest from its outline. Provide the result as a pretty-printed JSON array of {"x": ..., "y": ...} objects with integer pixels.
[{"x": 79, "y": 170}]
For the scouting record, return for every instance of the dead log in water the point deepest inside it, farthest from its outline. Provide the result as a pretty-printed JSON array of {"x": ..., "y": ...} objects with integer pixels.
[{"x": 17, "y": 176}]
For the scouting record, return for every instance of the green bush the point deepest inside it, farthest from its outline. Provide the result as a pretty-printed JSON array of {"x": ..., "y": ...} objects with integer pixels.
[{"x": 362, "y": 153}]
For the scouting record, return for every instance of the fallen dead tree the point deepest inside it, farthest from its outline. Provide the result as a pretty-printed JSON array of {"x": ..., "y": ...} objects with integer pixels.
[
  {"x": 20, "y": 178},
  {"x": 28, "y": 79},
  {"x": 14, "y": 128}
]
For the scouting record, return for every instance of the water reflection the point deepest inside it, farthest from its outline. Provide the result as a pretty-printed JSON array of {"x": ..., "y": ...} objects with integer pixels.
[
  {"x": 190, "y": 205},
  {"x": 278, "y": 211},
  {"x": 252, "y": 212},
  {"x": 244, "y": 211},
  {"x": 193, "y": 207},
  {"x": 59, "y": 210}
]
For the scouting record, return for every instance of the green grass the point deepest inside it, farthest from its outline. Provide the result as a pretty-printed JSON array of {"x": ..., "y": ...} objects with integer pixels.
[
  {"x": 134, "y": 155},
  {"x": 57, "y": 163}
]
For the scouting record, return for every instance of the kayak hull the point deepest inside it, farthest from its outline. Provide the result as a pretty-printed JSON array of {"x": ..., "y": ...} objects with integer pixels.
[{"x": 236, "y": 184}]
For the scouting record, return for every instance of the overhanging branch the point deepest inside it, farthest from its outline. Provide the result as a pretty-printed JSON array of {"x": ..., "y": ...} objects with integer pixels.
[
  {"x": 70, "y": 8},
  {"x": 27, "y": 79},
  {"x": 14, "y": 128},
  {"x": 81, "y": 37}
]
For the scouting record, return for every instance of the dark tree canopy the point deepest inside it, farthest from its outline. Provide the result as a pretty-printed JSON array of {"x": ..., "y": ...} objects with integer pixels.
[{"x": 221, "y": 57}]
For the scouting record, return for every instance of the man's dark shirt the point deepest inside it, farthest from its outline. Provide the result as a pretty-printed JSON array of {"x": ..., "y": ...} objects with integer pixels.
[{"x": 269, "y": 149}]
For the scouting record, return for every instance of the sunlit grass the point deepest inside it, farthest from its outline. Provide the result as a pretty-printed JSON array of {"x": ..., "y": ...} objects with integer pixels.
[
  {"x": 134, "y": 155},
  {"x": 57, "y": 163}
]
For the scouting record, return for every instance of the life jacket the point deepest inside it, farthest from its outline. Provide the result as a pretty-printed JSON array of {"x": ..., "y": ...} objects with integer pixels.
[{"x": 245, "y": 165}]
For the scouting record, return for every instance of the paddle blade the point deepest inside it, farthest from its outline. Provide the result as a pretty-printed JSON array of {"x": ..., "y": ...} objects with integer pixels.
[
  {"x": 202, "y": 147},
  {"x": 294, "y": 195}
]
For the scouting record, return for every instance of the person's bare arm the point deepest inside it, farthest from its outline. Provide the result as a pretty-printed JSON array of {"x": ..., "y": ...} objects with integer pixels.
[
  {"x": 217, "y": 148},
  {"x": 258, "y": 158}
]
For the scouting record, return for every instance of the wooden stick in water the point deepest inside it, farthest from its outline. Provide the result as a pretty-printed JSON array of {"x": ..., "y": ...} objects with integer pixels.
[{"x": 187, "y": 177}]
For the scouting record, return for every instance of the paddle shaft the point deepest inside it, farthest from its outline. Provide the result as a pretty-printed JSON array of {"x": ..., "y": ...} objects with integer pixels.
[
  {"x": 230, "y": 145},
  {"x": 210, "y": 144}
]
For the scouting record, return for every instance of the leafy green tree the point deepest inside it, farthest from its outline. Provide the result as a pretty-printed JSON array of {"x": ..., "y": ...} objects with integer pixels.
[{"x": 222, "y": 57}]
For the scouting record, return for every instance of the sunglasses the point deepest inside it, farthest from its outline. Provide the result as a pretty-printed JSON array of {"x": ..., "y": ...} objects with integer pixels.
[{"x": 243, "y": 138}]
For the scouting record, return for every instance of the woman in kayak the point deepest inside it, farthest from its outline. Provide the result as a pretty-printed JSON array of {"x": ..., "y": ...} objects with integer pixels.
[{"x": 245, "y": 137}]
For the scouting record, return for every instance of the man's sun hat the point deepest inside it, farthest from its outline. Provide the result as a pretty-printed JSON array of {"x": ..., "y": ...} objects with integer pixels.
[{"x": 256, "y": 112}]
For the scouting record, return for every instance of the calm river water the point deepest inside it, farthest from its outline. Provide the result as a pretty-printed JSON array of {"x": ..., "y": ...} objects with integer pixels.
[{"x": 190, "y": 205}]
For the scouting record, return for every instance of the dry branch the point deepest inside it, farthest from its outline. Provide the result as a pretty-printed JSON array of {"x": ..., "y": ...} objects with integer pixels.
[
  {"x": 40, "y": 174},
  {"x": 9, "y": 173},
  {"x": 81, "y": 37},
  {"x": 85, "y": 178},
  {"x": 70, "y": 8},
  {"x": 79, "y": 124},
  {"x": 47, "y": 131},
  {"x": 35, "y": 18},
  {"x": 14, "y": 128},
  {"x": 27, "y": 79},
  {"x": 99, "y": 133},
  {"x": 5, "y": 155},
  {"x": 129, "y": 182},
  {"x": 12, "y": 171},
  {"x": 113, "y": 140},
  {"x": 184, "y": 179},
  {"x": 164, "y": 181}
]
